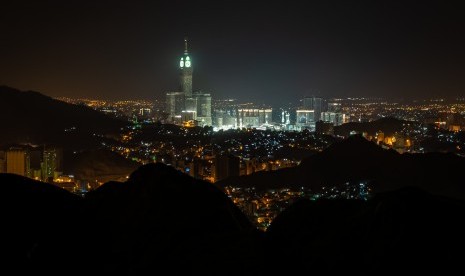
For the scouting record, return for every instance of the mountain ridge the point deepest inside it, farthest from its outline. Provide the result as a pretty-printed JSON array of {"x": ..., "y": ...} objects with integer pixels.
[
  {"x": 356, "y": 159},
  {"x": 31, "y": 117},
  {"x": 163, "y": 220}
]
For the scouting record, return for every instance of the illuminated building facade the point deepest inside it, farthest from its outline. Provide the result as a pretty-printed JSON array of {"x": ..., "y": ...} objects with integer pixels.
[
  {"x": 52, "y": 164},
  {"x": 185, "y": 64},
  {"x": 253, "y": 117},
  {"x": 174, "y": 105},
  {"x": 18, "y": 162},
  {"x": 184, "y": 106},
  {"x": 203, "y": 108},
  {"x": 315, "y": 104},
  {"x": 305, "y": 119},
  {"x": 333, "y": 117}
]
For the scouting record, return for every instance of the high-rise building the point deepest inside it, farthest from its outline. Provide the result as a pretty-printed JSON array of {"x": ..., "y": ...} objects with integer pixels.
[
  {"x": 190, "y": 104},
  {"x": 18, "y": 162},
  {"x": 190, "y": 110},
  {"x": 203, "y": 108},
  {"x": 174, "y": 105},
  {"x": 314, "y": 103},
  {"x": 305, "y": 119},
  {"x": 336, "y": 118},
  {"x": 50, "y": 164},
  {"x": 184, "y": 106},
  {"x": 186, "y": 72}
]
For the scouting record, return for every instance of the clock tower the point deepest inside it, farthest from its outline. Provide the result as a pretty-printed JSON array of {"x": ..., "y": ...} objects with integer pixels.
[{"x": 185, "y": 64}]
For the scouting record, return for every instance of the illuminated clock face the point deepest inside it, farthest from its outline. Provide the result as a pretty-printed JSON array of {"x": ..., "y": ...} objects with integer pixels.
[
  {"x": 181, "y": 63},
  {"x": 188, "y": 61}
]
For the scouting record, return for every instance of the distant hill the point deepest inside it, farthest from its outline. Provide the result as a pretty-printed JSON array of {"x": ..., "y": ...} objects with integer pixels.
[
  {"x": 356, "y": 159},
  {"x": 387, "y": 125},
  {"x": 31, "y": 117},
  {"x": 100, "y": 165}
]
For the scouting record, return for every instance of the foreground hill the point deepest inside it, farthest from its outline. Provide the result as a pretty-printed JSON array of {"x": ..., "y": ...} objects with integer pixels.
[
  {"x": 38, "y": 220},
  {"x": 161, "y": 221},
  {"x": 164, "y": 220},
  {"x": 406, "y": 230},
  {"x": 31, "y": 117},
  {"x": 357, "y": 160}
]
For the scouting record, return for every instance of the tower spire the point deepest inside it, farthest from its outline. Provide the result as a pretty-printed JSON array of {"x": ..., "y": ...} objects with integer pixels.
[{"x": 185, "y": 45}]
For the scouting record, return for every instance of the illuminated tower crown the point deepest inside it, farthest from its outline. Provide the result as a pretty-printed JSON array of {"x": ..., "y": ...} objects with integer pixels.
[{"x": 185, "y": 65}]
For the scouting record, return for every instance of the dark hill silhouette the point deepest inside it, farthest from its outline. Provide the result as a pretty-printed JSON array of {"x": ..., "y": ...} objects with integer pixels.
[
  {"x": 31, "y": 117},
  {"x": 38, "y": 220},
  {"x": 406, "y": 230},
  {"x": 164, "y": 220},
  {"x": 356, "y": 159},
  {"x": 161, "y": 221}
]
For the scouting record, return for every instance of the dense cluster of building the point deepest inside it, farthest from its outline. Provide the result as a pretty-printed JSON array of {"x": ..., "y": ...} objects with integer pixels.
[
  {"x": 215, "y": 139},
  {"x": 236, "y": 139},
  {"x": 257, "y": 133},
  {"x": 39, "y": 163},
  {"x": 212, "y": 156},
  {"x": 188, "y": 108}
]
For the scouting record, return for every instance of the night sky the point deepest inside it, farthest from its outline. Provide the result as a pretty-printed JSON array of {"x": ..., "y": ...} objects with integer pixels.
[{"x": 268, "y": 52}]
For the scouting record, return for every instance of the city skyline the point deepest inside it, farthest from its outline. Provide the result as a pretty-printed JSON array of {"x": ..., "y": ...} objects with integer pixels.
[
  {"x": 232, "y": 137},
  {"x": 252, "y": 52}
]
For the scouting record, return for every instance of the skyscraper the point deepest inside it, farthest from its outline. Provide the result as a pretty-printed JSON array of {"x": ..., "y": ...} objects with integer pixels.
[
  {"x": 186, "y": 72},
  {"x": 184, "y": 106},
  {"x": 203, "y": 108},
  {"x": 305, "y": 119},
  {"x": 50, "y": 164},
  {"x": 17, "y": 161},
  {"x": 336, "y": 118},
  {"x": 314, "y": 103},
  {"x": 179, "y": 101},
  {"x": 174, "y": 105}
]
